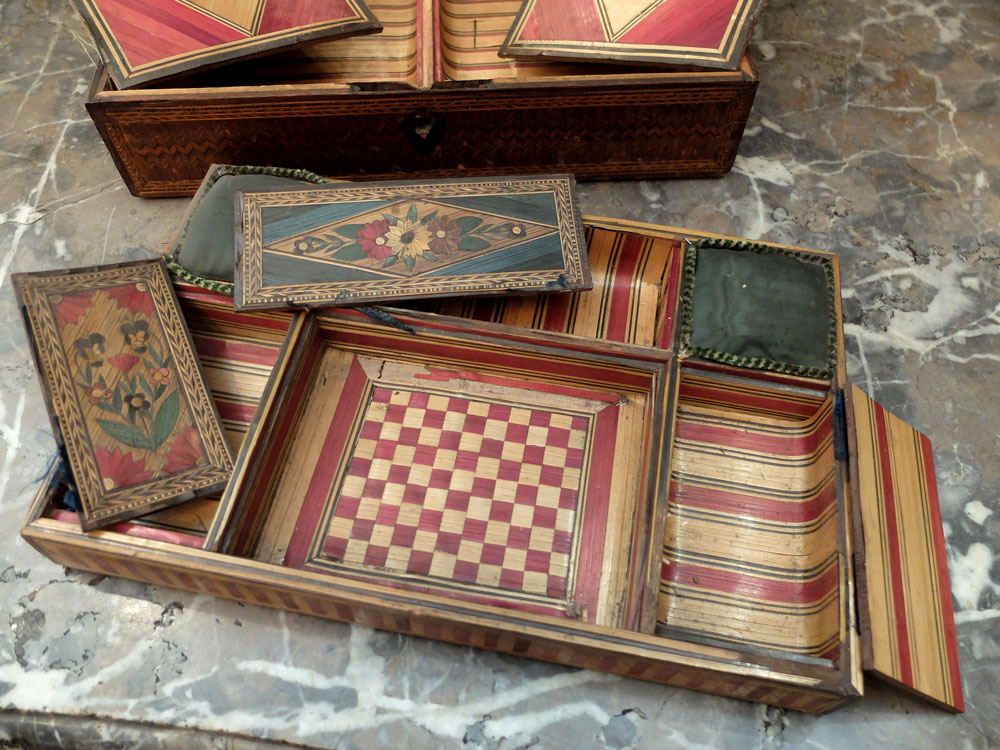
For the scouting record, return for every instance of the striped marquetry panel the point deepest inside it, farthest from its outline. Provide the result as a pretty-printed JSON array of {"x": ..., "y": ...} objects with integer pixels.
[
  {"x": 237, "y": 352},
  {"x": 235, "y": 581},
  {"x": 904, "y": 578},
  {"x": 633, "y": 299},
  {"x": 750, "y": 553},
  {"x": 147, "y": 40},
  {"x": 471, "y": 32}
]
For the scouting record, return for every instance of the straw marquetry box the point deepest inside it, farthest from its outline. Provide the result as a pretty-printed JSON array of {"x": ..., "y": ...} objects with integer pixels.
[{"x": 769, "y": 532}]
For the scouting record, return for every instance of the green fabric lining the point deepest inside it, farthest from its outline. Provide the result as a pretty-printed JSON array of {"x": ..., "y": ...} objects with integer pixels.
[
  {"x": 206, "y": 242},
  {"x": 760, "y": 307}
]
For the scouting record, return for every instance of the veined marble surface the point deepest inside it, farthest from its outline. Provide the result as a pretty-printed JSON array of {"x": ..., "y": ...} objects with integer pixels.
[{"x": 876, "y": 133}]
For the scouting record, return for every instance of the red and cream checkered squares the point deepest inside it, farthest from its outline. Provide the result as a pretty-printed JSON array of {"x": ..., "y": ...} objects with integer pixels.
[{"x": 462, "y": 490}]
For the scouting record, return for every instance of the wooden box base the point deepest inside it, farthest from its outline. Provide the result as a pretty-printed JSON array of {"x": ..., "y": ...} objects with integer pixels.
[{"x": 425, "y": 99}]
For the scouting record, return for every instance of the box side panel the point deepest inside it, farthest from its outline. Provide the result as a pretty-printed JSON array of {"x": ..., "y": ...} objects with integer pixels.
[
  {"x": 903, "y": 585},
  {"x": 164, "y": 144},
  {"x": 231, "y": 582}
]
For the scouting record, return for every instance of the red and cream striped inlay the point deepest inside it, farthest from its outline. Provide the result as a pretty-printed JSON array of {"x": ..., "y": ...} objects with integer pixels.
[
  {"x": 750, "y": 552},
  {"x": 905, "y": 578}
]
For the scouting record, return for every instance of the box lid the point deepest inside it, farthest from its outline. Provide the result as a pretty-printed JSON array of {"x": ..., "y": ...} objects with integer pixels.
[
  {"x": 705, "y": 33},
  {"x": 904, "y": 595},
  {"x": 363, "y": 243},
  {"x": 147, "y": 40},
  {"x": 129, "y": 405}
]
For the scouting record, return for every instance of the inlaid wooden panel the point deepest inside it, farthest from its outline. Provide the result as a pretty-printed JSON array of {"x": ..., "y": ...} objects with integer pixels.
[
  {"x": 237, "y": 352},
  {"x": 710, "y": 33},
  {"x": 908, "y": 624},
  {"x": 146, "y": 40},
  {"x": 124, "y": 388},
  {"x": 345, "y": 244}
]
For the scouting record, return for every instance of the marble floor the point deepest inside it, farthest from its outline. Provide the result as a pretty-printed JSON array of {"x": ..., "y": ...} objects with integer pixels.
[{"x": 876, "y": 133}]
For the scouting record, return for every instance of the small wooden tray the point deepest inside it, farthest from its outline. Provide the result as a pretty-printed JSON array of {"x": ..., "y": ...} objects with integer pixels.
[
  {"x": 706, "y": 33},
  {"x": 501, "y": 467},
  {"x": 124, "y": 388},
  {"x": 350, "y": 244},
  {"x": 148, "y": 40}
]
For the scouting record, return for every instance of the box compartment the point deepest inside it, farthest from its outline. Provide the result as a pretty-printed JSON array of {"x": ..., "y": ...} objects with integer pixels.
[
  {"x": 753, "y": 550},
  {"x": 494, "y": 466}
]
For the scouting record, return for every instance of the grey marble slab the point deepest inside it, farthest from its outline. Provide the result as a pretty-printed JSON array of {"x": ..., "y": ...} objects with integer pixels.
[{"x": 876, "y": 133}]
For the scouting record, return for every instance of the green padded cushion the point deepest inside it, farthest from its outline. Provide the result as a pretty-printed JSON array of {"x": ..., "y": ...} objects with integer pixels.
[
  {"x": 761, "y": 305},
  {"x": 206, "y": 247}
]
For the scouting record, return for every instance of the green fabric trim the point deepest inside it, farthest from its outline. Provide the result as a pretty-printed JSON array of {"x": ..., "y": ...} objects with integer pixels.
[
  {"x": 687, "y": 324},
  {"x": 212, "y": 285},
  {"x": 221, "y": 170}
]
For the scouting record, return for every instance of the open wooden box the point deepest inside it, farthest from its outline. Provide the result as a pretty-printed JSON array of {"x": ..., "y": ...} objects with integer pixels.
[
  {"x": 801, "y": 534},
  {"x": 429, "y": 95}
]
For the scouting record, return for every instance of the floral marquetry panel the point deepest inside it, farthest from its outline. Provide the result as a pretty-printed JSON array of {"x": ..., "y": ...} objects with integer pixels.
[
  {"x": 126, "y": 394},
  {"x": 347, "y": 244}
]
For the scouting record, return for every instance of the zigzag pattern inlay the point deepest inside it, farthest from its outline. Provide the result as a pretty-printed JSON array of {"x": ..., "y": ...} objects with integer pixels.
[{"x": 613, "y": 131}]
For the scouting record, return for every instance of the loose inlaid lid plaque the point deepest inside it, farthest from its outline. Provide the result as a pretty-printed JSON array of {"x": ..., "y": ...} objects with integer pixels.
[
  {"x": 146, "y": 40},
  {"x": 124, "y": 389},
  {"x": 365, "y": 243},
  {"x": 707, "y": 33}
]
